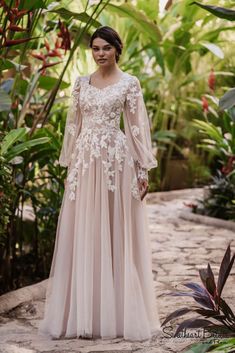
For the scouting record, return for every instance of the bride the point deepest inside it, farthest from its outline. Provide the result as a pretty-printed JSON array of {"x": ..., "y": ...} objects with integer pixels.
[{"x": 100, "y": 283}]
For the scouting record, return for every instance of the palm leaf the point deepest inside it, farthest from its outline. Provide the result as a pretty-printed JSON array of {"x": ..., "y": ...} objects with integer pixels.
[{"x": 220, "y": 12}]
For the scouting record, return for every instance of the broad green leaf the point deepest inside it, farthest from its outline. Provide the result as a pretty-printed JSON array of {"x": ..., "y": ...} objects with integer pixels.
[
  {"x": 47, "y": 83},
  {"x": 151, "y": 8},
  {"x": 21, "y": 86},
  {"x": 68, "y": 15},
  {"x": 193, "y": 78},
  {"x": 141, "y": 21},
  {"x": 227, "y": 345},
  {"x": 199, "y": 348},
  {"x": 228, "y": 99},
  {"x": 11, "y": 138},
  {"x": 220, "y": 12},
  {"x": 18, "y": 149},
  {"x": 10, "y": 64},
  {"x": 212, "y": 36},
  {"x": 5, "y": 101},
  {"x": 214, "y": 49},
  {"x": 159, "y": 57},
  {"x": 32, "y": 5}
]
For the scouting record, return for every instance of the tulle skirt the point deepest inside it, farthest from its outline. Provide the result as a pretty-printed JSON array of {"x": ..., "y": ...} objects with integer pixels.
[{"x": 100, "y": 283}]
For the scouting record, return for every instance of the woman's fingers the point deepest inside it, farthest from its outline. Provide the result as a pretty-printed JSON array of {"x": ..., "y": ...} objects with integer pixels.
[{"x": 143, "y": 187}]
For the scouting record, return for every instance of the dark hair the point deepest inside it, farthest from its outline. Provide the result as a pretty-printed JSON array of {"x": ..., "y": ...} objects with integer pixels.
[{"x": 111, "y": 36}]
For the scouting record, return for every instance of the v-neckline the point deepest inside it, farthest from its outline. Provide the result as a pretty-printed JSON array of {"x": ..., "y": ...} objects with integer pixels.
[{"x": 108, "y": 86}]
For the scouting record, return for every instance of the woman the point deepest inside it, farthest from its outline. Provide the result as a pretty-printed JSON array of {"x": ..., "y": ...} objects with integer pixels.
[{"x": 100, "y": 283}]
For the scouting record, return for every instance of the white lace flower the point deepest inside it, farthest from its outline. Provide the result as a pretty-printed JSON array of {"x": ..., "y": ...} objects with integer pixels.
[
  {"x": 100, "y": 136},
  {"x": 134, "y": 189},
  {"x": 72, "y": 129},
  {"x": 135, "y": 130}
]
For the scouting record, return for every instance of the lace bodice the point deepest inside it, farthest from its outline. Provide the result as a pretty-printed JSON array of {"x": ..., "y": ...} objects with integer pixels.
[{"x": 93, "y": 126}]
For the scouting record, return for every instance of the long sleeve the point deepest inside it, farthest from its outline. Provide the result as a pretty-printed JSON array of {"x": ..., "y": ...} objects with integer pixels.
[
  {"x": 72, "y": 126},
  {"x": 137, "y": 130}
]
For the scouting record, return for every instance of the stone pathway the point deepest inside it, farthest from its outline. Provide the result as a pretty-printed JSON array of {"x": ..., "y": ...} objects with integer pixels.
[{"x": 179, "y": 249}]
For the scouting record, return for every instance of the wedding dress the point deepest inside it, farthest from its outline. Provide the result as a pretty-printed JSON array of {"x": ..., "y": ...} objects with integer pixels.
[{"x": 100, "y": 282}]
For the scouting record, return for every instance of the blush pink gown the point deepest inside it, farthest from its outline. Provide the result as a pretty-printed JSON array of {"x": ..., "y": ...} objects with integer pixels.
[{"x": 100, "y": 283}]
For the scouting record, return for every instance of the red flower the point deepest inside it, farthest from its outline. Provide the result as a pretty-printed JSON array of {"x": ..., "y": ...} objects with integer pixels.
[
  {"x": 4, "y": 5},
  {"x": 228, "y": 168},
  {"x": 54, "y": 53},
  {"x": 39, "y": 56},
  {"x": 211, "y": 80},
  {"x": 47, "y": 45},
  {"x": 21, "y": 13},
  {"x": 205, "y": 104},
  {"x": 11, "y": 42},
  {"x": 57, "y": 43},
  {"x": 46, "y": 65},
  {"x": 65, "y": 35},
  {"x": 16, "y": 28},
  {"x": 15, "y": 104}
]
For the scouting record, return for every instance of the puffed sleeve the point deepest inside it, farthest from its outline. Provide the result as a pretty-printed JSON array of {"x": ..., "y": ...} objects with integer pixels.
[
  {"x": 137, "y": 129},
  {"x": 72, "y": 126}
]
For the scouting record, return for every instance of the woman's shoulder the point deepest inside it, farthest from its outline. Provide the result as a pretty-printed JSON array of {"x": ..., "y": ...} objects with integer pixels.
[
  {"x": 132, "y": 80},
  {"x": 78, "y": 80},
  {"x": 81, "y": 78},
  {"x": 130, "y": 77}
]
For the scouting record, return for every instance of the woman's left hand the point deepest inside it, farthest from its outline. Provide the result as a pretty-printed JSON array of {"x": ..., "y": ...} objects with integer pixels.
[{"x": 143, "y": 187}]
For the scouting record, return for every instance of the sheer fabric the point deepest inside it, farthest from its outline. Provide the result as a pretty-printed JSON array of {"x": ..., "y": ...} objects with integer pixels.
[
  {"x": 100, "y": 282},
  {"x": 72, "y": 127}
]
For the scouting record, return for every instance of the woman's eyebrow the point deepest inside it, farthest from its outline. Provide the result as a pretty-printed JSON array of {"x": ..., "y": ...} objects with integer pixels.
[{"x": 106, "y": 45}]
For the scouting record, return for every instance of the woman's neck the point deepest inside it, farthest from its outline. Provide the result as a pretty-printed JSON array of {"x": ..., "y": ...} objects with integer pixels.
[{"x": 108, "y": 71}]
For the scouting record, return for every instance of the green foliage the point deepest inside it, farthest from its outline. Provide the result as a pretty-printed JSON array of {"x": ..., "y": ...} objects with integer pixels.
[
  {"x": 7, "y": 192},
  {"x": 220, "y": 199},
  {"x": 224, "y": 346},
  {"x": 220, "y": 12}
]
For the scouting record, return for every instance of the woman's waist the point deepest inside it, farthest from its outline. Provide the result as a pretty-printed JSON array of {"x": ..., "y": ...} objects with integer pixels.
[{"x": 104, "y": 128}]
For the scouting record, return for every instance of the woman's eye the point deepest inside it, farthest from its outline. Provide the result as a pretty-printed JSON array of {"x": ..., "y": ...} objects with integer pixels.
[{"x": 97, "y": 49}]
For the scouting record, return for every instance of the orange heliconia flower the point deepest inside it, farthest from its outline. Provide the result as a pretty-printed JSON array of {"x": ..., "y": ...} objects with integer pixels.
[{"x": 205, "y": 104}]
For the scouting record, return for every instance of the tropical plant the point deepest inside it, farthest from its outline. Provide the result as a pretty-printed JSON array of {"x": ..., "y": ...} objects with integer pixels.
[
  {"x": 14, "y": 145},
  {"x": 215, "y": 313},
  {"x": 219, "y": 200},
  {"x": 228, "y": 100},
  {"x": 223, "y": 346}
]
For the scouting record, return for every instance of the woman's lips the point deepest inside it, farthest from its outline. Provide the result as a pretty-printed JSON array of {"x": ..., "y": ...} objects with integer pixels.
[{"x": 101, "y": 60}]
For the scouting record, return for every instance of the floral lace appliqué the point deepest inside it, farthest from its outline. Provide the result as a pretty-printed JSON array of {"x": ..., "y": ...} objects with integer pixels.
[
  {"x": 132, "y": 96},
  {"x": 101, "y": 138},
  {"x": 72, "y": 129},
  {"x": 135, "y": 130}
]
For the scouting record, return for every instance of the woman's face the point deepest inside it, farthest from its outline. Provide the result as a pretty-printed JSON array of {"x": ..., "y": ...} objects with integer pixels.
[{"x": 103, "y": 53}]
